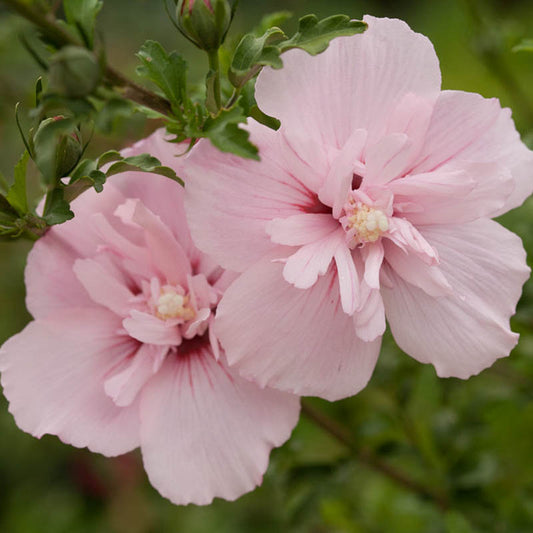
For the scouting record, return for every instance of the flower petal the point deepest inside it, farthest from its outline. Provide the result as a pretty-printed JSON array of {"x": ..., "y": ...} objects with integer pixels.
[
  {"x": 103, "y": 287},
  {"x": 128, "y": 379},
  {"x": 356, "y": 83},
  {"x": 240, "y": 195},
  {"x": 464, "y": 333},
  {"x": 303, "y": 268},
  {"x": 152, "y": 330},
  {"x": 305, "y": 228},
  {"x": 206, "y": 433},
  {"x": 300, "y": 341},
  {"x": 53, "y": 375},
  {"x": 466, "y": 127}
]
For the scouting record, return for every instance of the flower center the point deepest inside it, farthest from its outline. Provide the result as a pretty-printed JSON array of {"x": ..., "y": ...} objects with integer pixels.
[
  {"x": 363, "y": 223},
  {"x": 173, "y": 305}
]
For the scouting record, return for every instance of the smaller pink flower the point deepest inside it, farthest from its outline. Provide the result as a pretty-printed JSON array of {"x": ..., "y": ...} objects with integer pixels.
[{"x": 122, "y": 354}]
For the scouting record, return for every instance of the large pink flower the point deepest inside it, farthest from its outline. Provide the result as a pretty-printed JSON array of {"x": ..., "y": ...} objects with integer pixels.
[
  {"x": 122, "y": 354},
  {"x": 372, "y": 201}
]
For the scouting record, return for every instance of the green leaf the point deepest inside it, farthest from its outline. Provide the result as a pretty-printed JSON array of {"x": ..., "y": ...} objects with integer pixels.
[
  {"x": 16, "y": 195},
  {"x": 82, "y": 15},
  {"x": 56, "y": 209},
  {"x": 168, "y": 72},
  {"x": 19, "y": 126},
  {"x": 272, "y": 19},
  {"x": 109, "y": 157},
  {"x": 143, "y": 163},
  {"x": 525, "y": 46},
  {"x": 252, "y": 53},
  {"x": 223, "y": 131},
  {"x": 314, "y": 36}
]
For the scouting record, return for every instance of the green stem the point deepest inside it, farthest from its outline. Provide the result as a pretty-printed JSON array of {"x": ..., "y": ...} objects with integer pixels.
[
  {"x": 214, "y": 67},
  {"x": 61, "y": 36},
  {"x": 369, "y": 459}
]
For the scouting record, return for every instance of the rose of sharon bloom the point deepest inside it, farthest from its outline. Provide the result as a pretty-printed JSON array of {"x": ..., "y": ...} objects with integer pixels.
[
  {"x": 371, "y": 202},
  {"x": 122, "y": 354}
]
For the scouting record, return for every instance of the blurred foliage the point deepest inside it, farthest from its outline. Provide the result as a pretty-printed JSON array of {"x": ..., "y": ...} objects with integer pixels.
[{"x": 471, "y": 440}]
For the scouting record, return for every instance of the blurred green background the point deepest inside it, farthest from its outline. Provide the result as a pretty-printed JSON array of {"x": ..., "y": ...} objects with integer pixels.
[{"x": 472, "y": 441}]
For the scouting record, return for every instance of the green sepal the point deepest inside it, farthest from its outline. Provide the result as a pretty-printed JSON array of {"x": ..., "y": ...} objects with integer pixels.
[
  {"x": 57, "y": 149},
  {"x": 82, "y": 15}
]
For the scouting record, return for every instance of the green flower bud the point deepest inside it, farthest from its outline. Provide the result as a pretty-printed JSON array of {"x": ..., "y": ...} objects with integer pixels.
[
  {"x": 57, "y": 148},
  {"x": 74, "y": 72},
  {"x": 204, "y": 22}
]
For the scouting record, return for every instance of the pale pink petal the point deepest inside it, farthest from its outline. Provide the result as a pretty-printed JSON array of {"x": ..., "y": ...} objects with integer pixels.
[
  {"x": 356, "y": 83},
  {"x": 300, "y": 341},
  {"x": 348, "y": 279},
  {"x": 305, "y": 228},
  {"x": 240, "y": 196},
  {"x": 103, "y": 287},
  {"x": 304, "y": 158},
  {"x": 152, "y": 330},
  {"x": 51, "y": 285},
  {"x": 412, "y": 269},
  {"x": 409, "y": 239},
  {"x": 53, "y": 375},
  {"x": 369, "y": 319},
  {"x": 303, "y": 268},
  {"x": 373, "y": 258},
  {"x": 124, "y": 383},
  {"x": 338, "y": 182},
  {"x": 206, "y": 433},
  {"x": 468, "y": 127},
  {"x": 466, "y": 332},
  {"x": 386, "y": 159},
  {"x": 167, "y": 254}
]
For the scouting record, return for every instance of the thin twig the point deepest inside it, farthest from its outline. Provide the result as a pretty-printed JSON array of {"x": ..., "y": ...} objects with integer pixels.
[
  {"x": 60, "y": 36},
  {"x": 368, "y": 458}
]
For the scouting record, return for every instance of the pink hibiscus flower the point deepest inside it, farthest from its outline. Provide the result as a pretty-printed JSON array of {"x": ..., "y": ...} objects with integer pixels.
[
  {"x": 373, "y": 201},
  {"x": 122, "y": 354}
]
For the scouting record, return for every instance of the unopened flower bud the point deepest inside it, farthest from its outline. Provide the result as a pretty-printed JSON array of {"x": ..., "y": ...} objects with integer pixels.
[
  {"x": 74, "y": 72},
  {"x": 204, "y": 22},
  {"x": 58, "y": 148}
]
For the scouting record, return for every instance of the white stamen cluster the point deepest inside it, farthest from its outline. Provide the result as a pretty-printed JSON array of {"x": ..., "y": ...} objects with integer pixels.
[
  {"x": 174, "y": 305},
  {"x": 365, "y": 223}
]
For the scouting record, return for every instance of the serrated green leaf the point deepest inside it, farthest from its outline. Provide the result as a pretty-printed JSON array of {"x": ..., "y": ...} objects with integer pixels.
[
  {"x": 525, "y": 46},
  {"x": 252, "y": 53},
  {"x": 56, "y": 210},
  {"x": 143, "y": 163},
  {"x": 16, "y": 194},
  {"x": 314, "y": 35},
  {"x": 167, "y": 71},
  {"x": 108, "y": 157},
  {"x": 224, "y": 133},
  {"x": 82, "y": 15}
]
